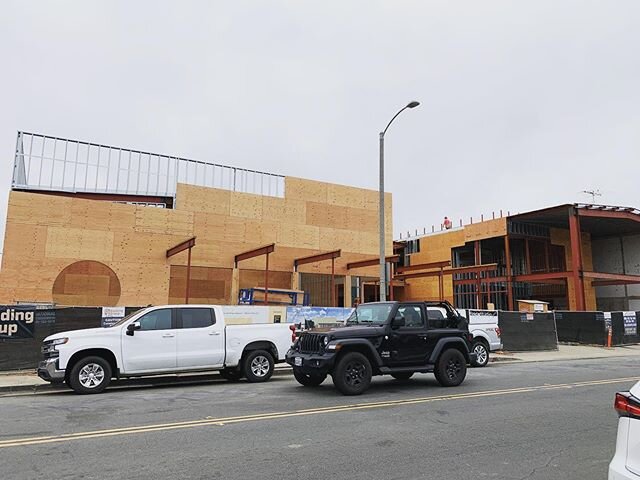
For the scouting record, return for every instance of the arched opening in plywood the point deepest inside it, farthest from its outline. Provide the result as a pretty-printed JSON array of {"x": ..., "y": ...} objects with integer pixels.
[{"x": 87, "y": 283}]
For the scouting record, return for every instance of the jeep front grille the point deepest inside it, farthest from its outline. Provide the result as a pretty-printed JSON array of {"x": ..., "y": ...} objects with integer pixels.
[{"x": 311, "y": 343}]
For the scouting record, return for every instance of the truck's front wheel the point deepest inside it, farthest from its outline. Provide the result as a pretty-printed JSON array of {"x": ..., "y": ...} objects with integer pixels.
[
  {"x": 352, "y": 374},
  {"x": 90, "y": 375},
  {"x": 258, "y": 366}
]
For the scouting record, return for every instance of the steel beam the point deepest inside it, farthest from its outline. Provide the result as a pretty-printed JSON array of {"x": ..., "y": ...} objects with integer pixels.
[
  {"x": 316, "y": 258},
  {"x": 509, "y": 272},
  {"x": 613, "y": 276},
  {"x": 576, "y": 259},
  {"x": 541, "y": 277},
  {"x": 372, "y": 262},
  {"x": 256, "y": 252},
  {"x": 489, "y": 267},
  {"x": 424, "y": 266},
  {"x": 181, "y": 247}
]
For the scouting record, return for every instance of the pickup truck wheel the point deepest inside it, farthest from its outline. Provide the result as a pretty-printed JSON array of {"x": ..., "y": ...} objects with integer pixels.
[
  {"x": 90, "y": 375},
  {"x": 231, "y": 374},
  {"x": 308, "y": 379},
  {"x": 451, "y": 368},
  {"x": 258, "y": 366},
  {"x": 482, "y": 353},
  {"x": 352, "y": 374},
  {"x": 402, "y": 376}
]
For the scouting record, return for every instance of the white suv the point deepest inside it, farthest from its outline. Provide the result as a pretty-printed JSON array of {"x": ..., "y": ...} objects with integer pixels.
[{"x": 626, "y": 462}]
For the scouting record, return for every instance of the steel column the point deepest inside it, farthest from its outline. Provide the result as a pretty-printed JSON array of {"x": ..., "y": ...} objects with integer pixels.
[
  {"x": 576, "y": 259},
  {"x": 477, "y": 256},
  {"x": 527, "y": 258},
  {"x": 509, "y": 272},
  {"x": 266, "y": 280},
  {"x": 186, "y": 300},
  {"x": 333, "y": 282}
]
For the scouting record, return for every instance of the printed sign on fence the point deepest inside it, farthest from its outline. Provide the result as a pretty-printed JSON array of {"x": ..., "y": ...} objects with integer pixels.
[
  {"x": 319, "y": 315},
  {"x": 112, "y": 315},
  {"x": 630, "y": 323},
  {"x": 16, "y": 322}
]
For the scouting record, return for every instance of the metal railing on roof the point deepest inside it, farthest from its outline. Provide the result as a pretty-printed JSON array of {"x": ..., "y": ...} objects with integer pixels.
[{"x": 44, "y": 162}]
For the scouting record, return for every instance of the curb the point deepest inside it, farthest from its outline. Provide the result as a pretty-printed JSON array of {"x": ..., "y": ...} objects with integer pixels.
[{"x": 129, "y": 383}]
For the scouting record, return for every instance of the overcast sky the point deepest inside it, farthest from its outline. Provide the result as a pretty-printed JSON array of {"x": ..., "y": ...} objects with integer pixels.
[{"x": 524, "y": 103}]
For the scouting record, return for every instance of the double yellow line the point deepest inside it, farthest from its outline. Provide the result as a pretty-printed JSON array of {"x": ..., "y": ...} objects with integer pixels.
[{"x": 219, "y": 422}]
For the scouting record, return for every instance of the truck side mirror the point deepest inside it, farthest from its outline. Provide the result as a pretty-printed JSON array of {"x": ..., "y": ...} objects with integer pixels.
[
  {"x": 133, "y": 327},
  {"x": 398, "y": 321}
]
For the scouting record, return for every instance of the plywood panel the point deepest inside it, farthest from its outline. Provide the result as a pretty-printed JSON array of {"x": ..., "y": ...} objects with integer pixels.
[
  {"x": 143, "y": 247},
  {"x": 203, "y": 199},
  {"x": 207, "y": 285},
  {"x": 164, "y": 221},
  {"x": 86, "y": 283},
  {"x": 308, "y": 190},
  {"x": 301, "y": 236},
  {"x": 102, "y": 215},
  {"x": 36, "y": 209},
  {"x": 486, "y": 229},
  {"x": 79, "y": 244},
  {"x": 246, "y": 205},
  {"x": 255, "y": 278},
  {"x": 23, "y": 241},
  {"x": 283, "y": 210}
]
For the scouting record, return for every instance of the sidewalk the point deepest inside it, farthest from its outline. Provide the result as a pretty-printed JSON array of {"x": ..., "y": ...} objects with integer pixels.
[
  {"x": 28, "y": 382},
  {"x": 567, "y": 352}
]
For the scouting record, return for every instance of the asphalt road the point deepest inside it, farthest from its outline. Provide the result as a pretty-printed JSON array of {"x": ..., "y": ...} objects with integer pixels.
[{"x": 551, "y": 420}]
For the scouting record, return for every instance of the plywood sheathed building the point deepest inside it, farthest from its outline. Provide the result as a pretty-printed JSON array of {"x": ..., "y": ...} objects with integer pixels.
[{"x": 48, "y": 233}]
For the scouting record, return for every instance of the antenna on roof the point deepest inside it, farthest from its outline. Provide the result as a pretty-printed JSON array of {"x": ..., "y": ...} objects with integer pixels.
[{"x": 594, "y": 193}]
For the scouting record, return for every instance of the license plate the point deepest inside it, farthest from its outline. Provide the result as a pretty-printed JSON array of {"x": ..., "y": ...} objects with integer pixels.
[{"x": 298, "y": 361}]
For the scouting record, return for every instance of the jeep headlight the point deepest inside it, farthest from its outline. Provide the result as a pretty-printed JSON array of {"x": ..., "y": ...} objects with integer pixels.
[
  {"x": 325, "y": 340},
  {"x": 59, "y": 341}
]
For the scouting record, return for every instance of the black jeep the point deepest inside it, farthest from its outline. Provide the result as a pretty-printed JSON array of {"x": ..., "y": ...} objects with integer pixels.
[{"x": 385, "y": 338}]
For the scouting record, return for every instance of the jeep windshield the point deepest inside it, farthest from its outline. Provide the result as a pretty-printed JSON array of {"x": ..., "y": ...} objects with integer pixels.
[{"x": 376, "y": 314}]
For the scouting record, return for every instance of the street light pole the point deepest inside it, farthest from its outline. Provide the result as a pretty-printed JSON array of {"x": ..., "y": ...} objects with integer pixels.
[{"x": 383, "y": 263}]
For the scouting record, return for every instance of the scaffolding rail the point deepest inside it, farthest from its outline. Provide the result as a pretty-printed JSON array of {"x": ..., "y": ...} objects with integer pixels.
[{"x": 49, "y": 163}]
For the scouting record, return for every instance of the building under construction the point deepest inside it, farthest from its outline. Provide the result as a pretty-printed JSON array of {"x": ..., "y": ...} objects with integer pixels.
[
  {"x": 92, "y": 224},
  {"x": 575, "y": 257}
]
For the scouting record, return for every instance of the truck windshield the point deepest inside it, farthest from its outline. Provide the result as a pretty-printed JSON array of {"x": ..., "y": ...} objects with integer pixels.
[{"x": 370, "y": 314}]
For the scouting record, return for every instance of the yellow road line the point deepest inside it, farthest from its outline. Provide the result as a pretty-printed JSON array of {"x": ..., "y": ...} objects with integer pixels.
[{"x": 208, "y": 421}]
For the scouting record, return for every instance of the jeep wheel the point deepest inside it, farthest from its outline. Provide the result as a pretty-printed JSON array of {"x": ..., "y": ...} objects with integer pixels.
[
  {"x": 90, "y": 375},
  {"x": 231, "y": 374},
  {"x": 482, "y": 353},
  {"x": 402, "y": 376},
  {"x": 308, "y": 379},
  {"x": 258, "y": 366},
  {"x": 352, "y": 374},
  {"x": 451, "y": 368}
]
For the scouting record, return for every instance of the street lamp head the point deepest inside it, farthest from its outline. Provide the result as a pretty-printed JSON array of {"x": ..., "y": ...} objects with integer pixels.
[{"x": 413, "y": 104}]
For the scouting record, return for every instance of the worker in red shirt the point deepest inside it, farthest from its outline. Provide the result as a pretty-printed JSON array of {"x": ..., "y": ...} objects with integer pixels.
[{"x": 447, "y": 223}]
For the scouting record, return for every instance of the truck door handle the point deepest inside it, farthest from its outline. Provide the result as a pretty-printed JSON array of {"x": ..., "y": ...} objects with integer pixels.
[
  {"x": 168, "y": 335},
  {"x": 214, "y": 333}
]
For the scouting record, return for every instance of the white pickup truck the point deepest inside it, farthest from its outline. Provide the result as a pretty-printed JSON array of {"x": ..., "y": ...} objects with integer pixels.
[
  {"x": 163, "y": 339},
  {"x": 483, "y": 324}
]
